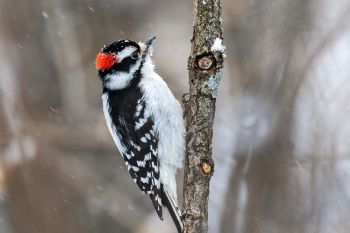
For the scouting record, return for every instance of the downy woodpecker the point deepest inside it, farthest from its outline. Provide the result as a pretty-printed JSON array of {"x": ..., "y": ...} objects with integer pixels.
[{"x": 144, "y": 119}]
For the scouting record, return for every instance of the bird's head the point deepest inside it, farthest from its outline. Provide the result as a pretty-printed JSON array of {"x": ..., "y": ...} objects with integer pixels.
[{"x": 118, "y": 62}]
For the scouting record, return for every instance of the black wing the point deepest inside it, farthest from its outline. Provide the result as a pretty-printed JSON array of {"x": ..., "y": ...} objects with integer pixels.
[{"x": 137, "y": 135}]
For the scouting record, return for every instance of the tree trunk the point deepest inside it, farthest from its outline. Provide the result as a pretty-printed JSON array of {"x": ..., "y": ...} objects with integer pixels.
[{"x": 205, "y": 67}]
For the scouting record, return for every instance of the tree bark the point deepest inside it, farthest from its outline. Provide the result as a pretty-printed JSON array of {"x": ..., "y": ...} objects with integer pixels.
[{"x": 205, "y": 68}]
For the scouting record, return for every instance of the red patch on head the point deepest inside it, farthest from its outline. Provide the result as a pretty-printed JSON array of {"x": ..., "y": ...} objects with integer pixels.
[{"x": 105, "y": 61}]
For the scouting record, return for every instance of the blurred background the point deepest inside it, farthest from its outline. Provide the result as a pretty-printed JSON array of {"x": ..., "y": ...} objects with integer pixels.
[{"x": 282, "y": 138}]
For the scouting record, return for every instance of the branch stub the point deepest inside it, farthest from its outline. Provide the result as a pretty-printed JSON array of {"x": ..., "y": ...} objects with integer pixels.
[
  {"x": 206, "y": 167},
  {"x": 205, "y": 62}
]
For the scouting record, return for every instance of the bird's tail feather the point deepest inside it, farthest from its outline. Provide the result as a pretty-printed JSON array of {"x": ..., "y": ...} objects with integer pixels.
[
  {"x": 173, "y": 210},
  {"x": 157, "y": 202}
]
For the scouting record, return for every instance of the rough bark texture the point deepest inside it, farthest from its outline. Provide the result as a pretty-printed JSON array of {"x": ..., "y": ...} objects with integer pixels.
[{"x": 205, "y": 68}]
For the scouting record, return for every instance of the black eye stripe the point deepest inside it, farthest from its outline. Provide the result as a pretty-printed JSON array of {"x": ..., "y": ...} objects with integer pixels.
[{"x": 124, "y": 65}]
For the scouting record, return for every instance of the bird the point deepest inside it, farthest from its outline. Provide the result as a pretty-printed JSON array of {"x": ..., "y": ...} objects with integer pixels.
[{"x": 144, "y": 119}]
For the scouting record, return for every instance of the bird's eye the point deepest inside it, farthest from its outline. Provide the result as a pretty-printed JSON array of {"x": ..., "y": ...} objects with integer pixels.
[{"x": 135, "y": 55}]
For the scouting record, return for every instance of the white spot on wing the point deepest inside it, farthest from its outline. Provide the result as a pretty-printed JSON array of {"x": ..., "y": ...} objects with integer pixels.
[
  {"x": 138, "y": 148},
  {"x": 141, "y": 163},
  {"x": 155, "y": 168},
  {"x": 141, "y": 122},
  {"x": 138, "y": 109},
  {"x": 144, "y": 179},
  {"x": 147, "y": 157}
]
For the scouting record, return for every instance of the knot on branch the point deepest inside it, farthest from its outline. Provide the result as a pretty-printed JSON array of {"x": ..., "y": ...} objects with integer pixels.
[
  {"x": 207, "y": 167},
  {"x": 206, "y": 62}
]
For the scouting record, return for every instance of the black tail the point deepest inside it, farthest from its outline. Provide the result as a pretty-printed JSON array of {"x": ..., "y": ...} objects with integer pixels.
[
  {"x": 157, "y": 202},
  {"x": 173, "y": 210}
]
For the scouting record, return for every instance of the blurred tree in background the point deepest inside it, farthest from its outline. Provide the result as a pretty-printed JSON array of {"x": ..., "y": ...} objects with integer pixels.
[{"x": 281, "y": 139}]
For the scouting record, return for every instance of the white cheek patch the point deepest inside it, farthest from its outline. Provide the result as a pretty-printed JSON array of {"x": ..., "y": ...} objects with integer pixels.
[
  {"x": 126, "y": 52},
  {"x": 121, "y": 80}
]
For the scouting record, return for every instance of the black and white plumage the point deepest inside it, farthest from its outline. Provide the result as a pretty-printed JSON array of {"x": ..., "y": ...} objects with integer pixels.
[{"x": 144, "y": 119}]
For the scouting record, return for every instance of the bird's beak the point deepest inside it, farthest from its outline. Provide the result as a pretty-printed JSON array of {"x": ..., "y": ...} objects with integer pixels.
[
  {"x": 146, "y": 45},
  {"x": 150, "y": 41}
]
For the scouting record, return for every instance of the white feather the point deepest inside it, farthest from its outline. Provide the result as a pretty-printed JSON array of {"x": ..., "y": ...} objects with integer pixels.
[
  {"x": 120, "y": 80},
  {"x": 141, "y": 122},
  {"x": 138, "y": 110},
  {"x": 144, "y": 179},
  {"x": 143, "y": 139},
  {"x": 138, "y": 148},
  {"x": 126, "y": 52},
  {"x": 168, "y": 124},
  {"x": 141, "y": 163}
]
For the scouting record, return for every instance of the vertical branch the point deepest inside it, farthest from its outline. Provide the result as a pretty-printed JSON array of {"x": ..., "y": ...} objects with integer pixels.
[{"x": 205, "y": 65}]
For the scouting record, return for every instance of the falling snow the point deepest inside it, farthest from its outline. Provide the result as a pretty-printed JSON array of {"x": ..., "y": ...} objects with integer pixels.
[{"x": 44, "y": 14}]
